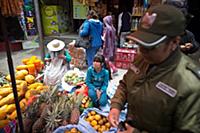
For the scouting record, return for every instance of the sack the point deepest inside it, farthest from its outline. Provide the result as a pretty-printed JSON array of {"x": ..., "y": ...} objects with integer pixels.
[
  {"x": 83, "y": 42},
  {"x": 79, "y": 126},
  {"x": 87, "y": 126}
]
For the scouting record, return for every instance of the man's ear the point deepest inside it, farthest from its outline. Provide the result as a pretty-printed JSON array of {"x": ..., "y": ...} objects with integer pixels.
[
  {"x": 177, "y": 39},
  {"x": 175, "y": 42}
]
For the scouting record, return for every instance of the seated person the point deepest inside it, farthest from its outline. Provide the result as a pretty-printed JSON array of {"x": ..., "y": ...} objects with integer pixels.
[
  {"x": 57, "y": 49},
  {"x": 97, "y": 79},
  {"x": 57, "y": 60}
]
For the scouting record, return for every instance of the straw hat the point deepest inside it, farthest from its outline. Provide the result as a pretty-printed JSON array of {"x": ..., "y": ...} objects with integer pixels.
[{"x": 55, "y": 45}]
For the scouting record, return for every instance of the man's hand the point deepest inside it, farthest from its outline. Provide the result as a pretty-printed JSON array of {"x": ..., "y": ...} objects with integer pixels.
[
  {"x": 129, "y": 129},
  {"x": 187, "y": 46},
  {"x": 113, "y": 117}
]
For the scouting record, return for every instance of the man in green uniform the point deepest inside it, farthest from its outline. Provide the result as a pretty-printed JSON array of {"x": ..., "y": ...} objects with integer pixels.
[{"x": 162, "y": 86}]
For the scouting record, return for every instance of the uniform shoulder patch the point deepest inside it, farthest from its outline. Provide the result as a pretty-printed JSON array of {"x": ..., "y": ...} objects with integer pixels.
[{"x": 194, "y": 69}]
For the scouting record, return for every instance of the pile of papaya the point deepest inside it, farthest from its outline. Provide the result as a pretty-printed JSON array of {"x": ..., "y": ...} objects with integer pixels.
[{"x": 27, "y": 89}]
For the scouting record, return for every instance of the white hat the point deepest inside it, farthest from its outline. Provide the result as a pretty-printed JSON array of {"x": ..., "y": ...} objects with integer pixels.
[{"x": 55, "y": 45}]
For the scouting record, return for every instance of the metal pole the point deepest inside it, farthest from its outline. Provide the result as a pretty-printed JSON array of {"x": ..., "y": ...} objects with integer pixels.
[
  {"x": 39, "y": 28},
  {"x": 12, "y": 73}
]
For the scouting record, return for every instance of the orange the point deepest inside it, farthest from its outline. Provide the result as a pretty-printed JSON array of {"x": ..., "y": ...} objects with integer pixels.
[
  {"x": 108, "y": 125},
  {"x": 97, "y": 117},
  {"x": 93, "y": 113},
  {"x": 103, "y": 128},
  {"x": 90, "y": 118},
  {"x": 94, "y": 123},
  {"x": 105, "y": 119},
  {"x": 100, "y": 122}
]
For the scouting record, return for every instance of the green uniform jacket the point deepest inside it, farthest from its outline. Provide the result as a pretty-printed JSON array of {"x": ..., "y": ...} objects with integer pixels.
[{"x": 164, "y": 98}]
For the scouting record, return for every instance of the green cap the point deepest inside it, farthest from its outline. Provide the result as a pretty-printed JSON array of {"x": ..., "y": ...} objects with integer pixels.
[{"x": 158, "y": 23}]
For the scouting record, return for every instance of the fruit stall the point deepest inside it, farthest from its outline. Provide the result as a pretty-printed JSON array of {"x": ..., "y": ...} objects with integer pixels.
[
  {"x": 64, "y": 107},
  {"x": 28, "y": 105}
]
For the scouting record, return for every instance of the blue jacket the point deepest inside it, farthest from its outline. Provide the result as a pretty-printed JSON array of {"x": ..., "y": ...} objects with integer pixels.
[
  {"x": 94, "y": 29},
  {"x": 96, "y": 80}
]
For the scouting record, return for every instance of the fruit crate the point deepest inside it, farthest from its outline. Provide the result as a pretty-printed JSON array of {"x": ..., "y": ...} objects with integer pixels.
[{"x": 124, "y": 57}]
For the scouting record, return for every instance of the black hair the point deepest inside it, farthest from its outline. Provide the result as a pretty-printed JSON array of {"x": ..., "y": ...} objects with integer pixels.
[
  {"x": 99, "y": 58},
  {"x": 93, "y": 14},
  {"x": 105, "y": 64}
]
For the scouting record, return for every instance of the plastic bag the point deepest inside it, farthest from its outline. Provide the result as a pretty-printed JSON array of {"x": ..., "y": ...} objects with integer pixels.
[
  {"x": 88, "y": 126},
  {"x": 55, "y": 71},
  {"x": 80, "y": 127}
]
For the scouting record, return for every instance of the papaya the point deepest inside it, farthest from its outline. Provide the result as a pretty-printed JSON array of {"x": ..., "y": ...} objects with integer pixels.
[
  {"x": 13, "y": 115},
  {"x": 30, "y": 93},
  {"x": 8, "y": 78},
  {"x": 34, "y": 85},
  {"x": 10, "y": 108},
  {"x": 8, "y": 99},
  {"x": 41, "y": 88},
  {"x": 2, "y": 115},
  {"x": 3, "y": 112},
  {"x": 23, "y": 104},
  {"x": 25, "y": 72},
  {"x": 19, "y": 75},
  {"x": 25, "y": 60},
  {"x": 5, "y": 91},
  {"x": 30, "y": 79},
  {"x": 21, "y": 67}
]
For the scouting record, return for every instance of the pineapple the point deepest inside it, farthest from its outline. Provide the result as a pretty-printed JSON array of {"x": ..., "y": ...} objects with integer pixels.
[
  {"x": 66, "y": 110},
  {"x": 54, "y": 116},
  {"x": 75, "y": 110},
  {"x": 37, "y": 111}
]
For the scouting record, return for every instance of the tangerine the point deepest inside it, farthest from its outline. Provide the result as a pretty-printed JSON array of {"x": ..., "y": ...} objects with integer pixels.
[
  {"x": 93, "y": 123},
  {"x": 97, "y": 117}
]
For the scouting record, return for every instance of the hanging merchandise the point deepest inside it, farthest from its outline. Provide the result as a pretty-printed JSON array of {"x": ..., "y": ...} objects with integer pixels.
[
  {"x": 145, "y": 3},
  {"x": 11, "y": 7},
  {"x": 30, "y": 18},
  {"x": 22, "y": 22}
]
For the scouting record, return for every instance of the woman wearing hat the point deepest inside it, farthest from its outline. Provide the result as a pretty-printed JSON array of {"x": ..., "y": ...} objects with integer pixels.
[{"x": 57, "y": 60}]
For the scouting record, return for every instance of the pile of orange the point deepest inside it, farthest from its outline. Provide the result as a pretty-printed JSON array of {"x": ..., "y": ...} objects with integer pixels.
[
  {"x": 99, "y": 122},
  {"x": 73, "y": 130}
]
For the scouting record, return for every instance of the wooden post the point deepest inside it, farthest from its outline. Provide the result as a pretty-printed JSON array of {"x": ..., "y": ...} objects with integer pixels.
[{"x": 12, "y": 73}]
